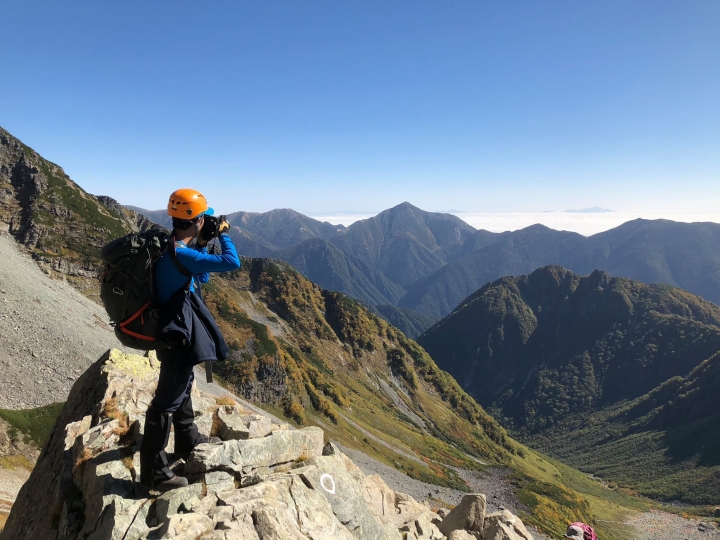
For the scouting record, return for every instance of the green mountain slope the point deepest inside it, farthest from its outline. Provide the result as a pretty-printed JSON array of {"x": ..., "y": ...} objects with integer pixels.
[
  {"x": 323, "y": 263},
  {"x": 685, "y": 255},
  {"x": 555, "y": 356},
  {"x": 318, "y": 357},
  {"x": 665, "y": 444},
  {"x": 404, "y": 242}
]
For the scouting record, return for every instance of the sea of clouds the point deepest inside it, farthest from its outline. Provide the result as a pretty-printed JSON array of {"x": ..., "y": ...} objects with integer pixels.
[{"x": 584, "y": 223}]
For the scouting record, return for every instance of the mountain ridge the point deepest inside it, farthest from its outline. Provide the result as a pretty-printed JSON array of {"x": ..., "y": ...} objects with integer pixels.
[
  {"x": 440, "y": 264},
  {"x": 686, "y": 255}
]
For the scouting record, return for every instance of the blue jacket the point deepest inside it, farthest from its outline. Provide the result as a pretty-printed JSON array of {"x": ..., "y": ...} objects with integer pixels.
[{"x": 197, "y": 260}]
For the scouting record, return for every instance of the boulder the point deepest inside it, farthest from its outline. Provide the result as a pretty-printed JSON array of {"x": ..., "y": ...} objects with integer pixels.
[
  {"x": 169, "y": 503},
  {"x": 218, "y": 481},
  {"x": 259, "y": 426},
  {"x": 400, "y": 510},
  {"x": 242, "y": 456},
  {"x": 183, "y": 527},
  {"x": 239, "y": 425},
  {"x": 336, "y": 478},
  {"x": 469, "y": 515},
  {"x": 232, "y": 424},
  {"x": 504, "y": 526}
]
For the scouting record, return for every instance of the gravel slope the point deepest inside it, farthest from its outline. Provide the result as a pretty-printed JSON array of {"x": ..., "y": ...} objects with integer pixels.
[
  {"x": 49, "y": 332},
  {"x": 665, "y": 526}
]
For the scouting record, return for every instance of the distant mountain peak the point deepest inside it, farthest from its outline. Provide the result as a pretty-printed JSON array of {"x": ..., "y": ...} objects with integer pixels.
[{"x": 402, "y": 206}]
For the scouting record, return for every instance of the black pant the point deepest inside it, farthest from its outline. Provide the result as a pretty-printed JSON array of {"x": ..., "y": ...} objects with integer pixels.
[{"x": 171, "y": 405}]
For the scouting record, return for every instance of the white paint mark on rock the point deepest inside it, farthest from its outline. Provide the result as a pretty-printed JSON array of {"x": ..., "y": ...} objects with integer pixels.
[{"x": 328, "y": 479}]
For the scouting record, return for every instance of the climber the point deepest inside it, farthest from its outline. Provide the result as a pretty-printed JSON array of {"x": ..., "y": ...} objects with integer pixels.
[
  {"x": 580, "y": 531},
  {"x": 197, "y": 338}
]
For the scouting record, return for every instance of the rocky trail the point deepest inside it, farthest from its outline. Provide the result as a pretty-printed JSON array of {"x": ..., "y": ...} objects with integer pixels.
[{"x": 498, "y": 491}]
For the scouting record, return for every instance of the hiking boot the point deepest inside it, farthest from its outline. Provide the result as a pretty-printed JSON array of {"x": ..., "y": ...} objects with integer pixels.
[
  {"x": 161, "y": 486},
  {"x": 156, "y": 475}
]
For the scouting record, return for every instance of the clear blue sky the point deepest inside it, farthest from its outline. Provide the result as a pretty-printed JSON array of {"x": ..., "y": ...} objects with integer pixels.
[{"x": 328, "y": 106}]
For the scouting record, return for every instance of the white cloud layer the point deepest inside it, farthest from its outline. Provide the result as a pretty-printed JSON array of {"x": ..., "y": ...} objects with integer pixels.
[{"x": 585, "y": 224}]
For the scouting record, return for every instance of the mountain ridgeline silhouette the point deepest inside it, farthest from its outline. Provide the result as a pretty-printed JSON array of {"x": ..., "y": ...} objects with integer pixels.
[{"x": 685, "y": 255}]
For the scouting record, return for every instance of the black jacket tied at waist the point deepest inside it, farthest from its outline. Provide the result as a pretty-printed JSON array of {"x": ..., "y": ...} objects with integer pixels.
[{"x": 191, "y": 326}]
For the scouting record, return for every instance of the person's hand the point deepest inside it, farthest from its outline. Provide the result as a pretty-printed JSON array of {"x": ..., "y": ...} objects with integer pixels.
[{"x": 223, "y": 225}]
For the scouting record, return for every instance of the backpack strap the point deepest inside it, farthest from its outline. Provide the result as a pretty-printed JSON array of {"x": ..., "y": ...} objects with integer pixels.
[
  {"x": 176, "y": 262},
  {"x": 178, "y": 265}
]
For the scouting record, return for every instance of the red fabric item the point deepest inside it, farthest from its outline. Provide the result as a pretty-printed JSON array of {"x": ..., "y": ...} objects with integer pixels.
[{"x": 588, "y": 532}]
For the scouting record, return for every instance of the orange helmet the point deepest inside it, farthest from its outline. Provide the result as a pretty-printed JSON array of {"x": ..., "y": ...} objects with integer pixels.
[{"x": 188, "y": 203}]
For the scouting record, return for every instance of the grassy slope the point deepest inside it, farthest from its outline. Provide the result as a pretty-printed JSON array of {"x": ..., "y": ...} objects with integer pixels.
[
  {"x": 336, "y": 378},
  {"x": 35, "y": 424},
  {"x": 334, "y": 355}
]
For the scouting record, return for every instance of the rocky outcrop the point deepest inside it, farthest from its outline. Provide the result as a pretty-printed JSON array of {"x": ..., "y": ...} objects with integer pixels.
[
  {"x": 263, "y": 481},
  {"x": 504, "y": 526},
  {"x": 62, "y": 225},
  {"x": 142, "y": 223},
  {"x": 468, "y": 515}
]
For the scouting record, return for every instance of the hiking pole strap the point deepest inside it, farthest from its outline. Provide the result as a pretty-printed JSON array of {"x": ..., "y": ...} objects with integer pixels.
[{"x": 208, "y": 371}]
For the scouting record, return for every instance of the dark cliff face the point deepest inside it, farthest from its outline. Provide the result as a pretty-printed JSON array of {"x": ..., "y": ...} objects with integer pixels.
[{"x": 63, "y": 226}]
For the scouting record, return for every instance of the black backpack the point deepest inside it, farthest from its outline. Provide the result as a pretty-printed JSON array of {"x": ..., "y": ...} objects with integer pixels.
[{"x": 127, "y": 286}]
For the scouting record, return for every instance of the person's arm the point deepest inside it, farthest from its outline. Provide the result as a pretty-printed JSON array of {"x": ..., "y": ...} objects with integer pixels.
[
  {"x": 205, "y": 276},
  {"x": 201, "y": 262}
]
